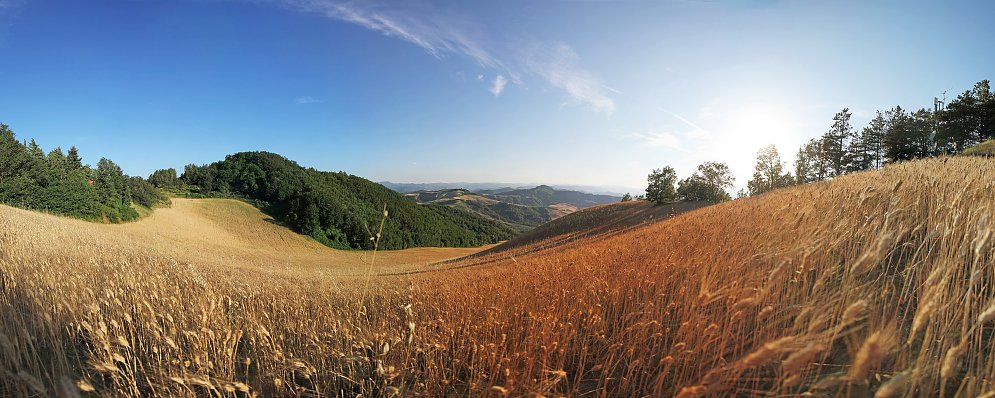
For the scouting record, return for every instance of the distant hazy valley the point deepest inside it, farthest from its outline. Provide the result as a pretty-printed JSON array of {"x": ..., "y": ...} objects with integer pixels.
[{"x": 521, "y": 209}]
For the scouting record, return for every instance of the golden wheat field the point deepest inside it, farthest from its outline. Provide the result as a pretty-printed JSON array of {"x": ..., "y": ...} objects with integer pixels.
[{"x": 874, "y": 284}]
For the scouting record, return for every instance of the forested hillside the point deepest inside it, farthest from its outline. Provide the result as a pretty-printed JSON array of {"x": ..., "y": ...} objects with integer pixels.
[
  {"x": 338, "y": 209},
  {"x": 518, "y": 217},
  {"x": 521, "y": 209},
  {"x": 60, "y": 183},
  {"x": 545, "y": 195}
]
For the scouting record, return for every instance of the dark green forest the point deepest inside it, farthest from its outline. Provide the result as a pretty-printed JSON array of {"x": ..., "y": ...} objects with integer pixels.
[
  {"x": 545, "y": 195},
  {"x": 335, "y": 208},
  {"x": 60, "y": 183},
  {"x": 897, "y": 134}
]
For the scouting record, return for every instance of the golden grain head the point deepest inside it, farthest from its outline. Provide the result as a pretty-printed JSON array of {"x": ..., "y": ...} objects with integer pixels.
[{"x": 207, "y": 298}]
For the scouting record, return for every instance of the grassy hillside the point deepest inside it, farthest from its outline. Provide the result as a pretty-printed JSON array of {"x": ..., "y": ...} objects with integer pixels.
[
  {"x": 545, "y": 195},
  {"x": 600, "y": 220},
  {"x": 518, "y": 217},
  {"x": 342, "y": 210},
  {"x": 874, "y": 284},
  {"x": 986, "y": 148},
  {"x": 521, "y": 209}
]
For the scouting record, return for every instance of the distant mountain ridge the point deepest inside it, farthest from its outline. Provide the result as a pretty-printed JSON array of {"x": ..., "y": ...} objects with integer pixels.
[
  {"x": 404, "y": 187},
  {"x": 522, "y": 209},
  {"x": 545, "y": 195}
]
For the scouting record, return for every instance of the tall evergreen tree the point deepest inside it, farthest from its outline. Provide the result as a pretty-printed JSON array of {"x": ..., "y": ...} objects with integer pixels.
[
  {"x": 921, "y": 134},
  {"x": 872, "y": 138},
  {"x": 38, "y": 167},
  {"x": 968, "y": 119},
  {"x": 164, "y": 178},
  {"x": 834, "y": 143},
  {"x": 13, "y": 154},
  {"x": 111, "y": 184},
  {"x": 899, "y": 139},
  {"x": 57, "y": 162},
  {"x": 73, "y": 160}
]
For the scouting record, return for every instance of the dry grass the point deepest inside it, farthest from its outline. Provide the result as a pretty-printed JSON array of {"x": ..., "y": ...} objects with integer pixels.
[
  {"x": 558, "y": 210},
  {"x": 593, "y": 222},
  {"x": 878, "y": 283},
  {"x": 986, "y": 148}
]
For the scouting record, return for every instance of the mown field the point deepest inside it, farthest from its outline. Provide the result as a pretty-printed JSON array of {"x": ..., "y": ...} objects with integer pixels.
[{"x": 874, "y": 284}]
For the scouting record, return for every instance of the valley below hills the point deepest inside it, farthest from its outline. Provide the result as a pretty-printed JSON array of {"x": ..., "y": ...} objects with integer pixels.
[{"x": 521, "y": 209}]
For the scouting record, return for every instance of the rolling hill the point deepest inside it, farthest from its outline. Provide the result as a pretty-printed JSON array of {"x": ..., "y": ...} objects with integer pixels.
[
  {"x": 872, "y": 284},
  {"x": 986, "y": 148},
  {"x": 341, "y": 210},
  {"x": 545, "y": 195},
  {"x": 205, "y": 233},
  {"x": 595, "y": 221},
  {"x": 521, "y": 209}
]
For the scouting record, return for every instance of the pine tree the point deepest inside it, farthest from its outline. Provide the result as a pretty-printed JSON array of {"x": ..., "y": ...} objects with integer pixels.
[
  {"x": 873, "y": 138},
  {"x": 834, "y": 143},
  {"x": 13, "y": 154},
  {"x": 920, "y": 135},
  {"x": 898, "y": 142},
  {"x": 57, "y": 162},
  {"x": 73, "y": 160}
]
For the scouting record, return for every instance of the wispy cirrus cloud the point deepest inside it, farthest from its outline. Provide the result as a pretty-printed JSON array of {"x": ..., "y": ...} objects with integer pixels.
[
  {"x": 444, "y": 35},
  {"x": 558, "y": 64},
  {"x": 673, "y": 137},
  {"x": 439, "y": 35},
  {"x": 660, "y": 139},
  {"x": 498, "y": 86}
]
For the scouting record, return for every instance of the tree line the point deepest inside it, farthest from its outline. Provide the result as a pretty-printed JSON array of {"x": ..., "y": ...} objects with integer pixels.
[
  {"x": 60, "y": 183},
  {"x": 335, "y": 208},
  {"x": 893, "y": 135},
  {"x": 707, "y": 184}
]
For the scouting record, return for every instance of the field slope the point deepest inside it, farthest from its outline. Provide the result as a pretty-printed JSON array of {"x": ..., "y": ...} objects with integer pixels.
[
  {"x": 874, "y": 284},
  {"x": 595, "y": 221},
  {"x": 204, "y": 233}
]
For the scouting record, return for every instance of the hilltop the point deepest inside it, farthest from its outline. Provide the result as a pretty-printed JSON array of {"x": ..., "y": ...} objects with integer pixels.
[
  {"x": 986, "y": 148},
  {"x": 870, "y": 284},
  {"x": 338, "y": 209},
  {"x": 595, "y": 221},
  {"x": 223, "y": 233},
  {"x": 404, "y": 187},
  {"x": 521, "y": 209}
]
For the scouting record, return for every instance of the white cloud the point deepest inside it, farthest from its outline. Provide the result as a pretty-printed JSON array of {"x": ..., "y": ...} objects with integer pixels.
[
  {"x": 559, "y": 65},
  {"x": 659, "y": 139},
  {"x": 480, "y": 77},
  {"x": 498, "y": 86},
  {"x": 306, "y": 100},
  {"x": 439, "y": 36},
  {"x": 443, "y": 35}
]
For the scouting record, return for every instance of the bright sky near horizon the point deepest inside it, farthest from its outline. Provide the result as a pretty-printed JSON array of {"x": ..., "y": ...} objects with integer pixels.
[{"x": 560, "y": 92}]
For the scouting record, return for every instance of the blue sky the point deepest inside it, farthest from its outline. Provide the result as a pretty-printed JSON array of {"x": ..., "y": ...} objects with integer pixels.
[{"x": 561, "y": 92}]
